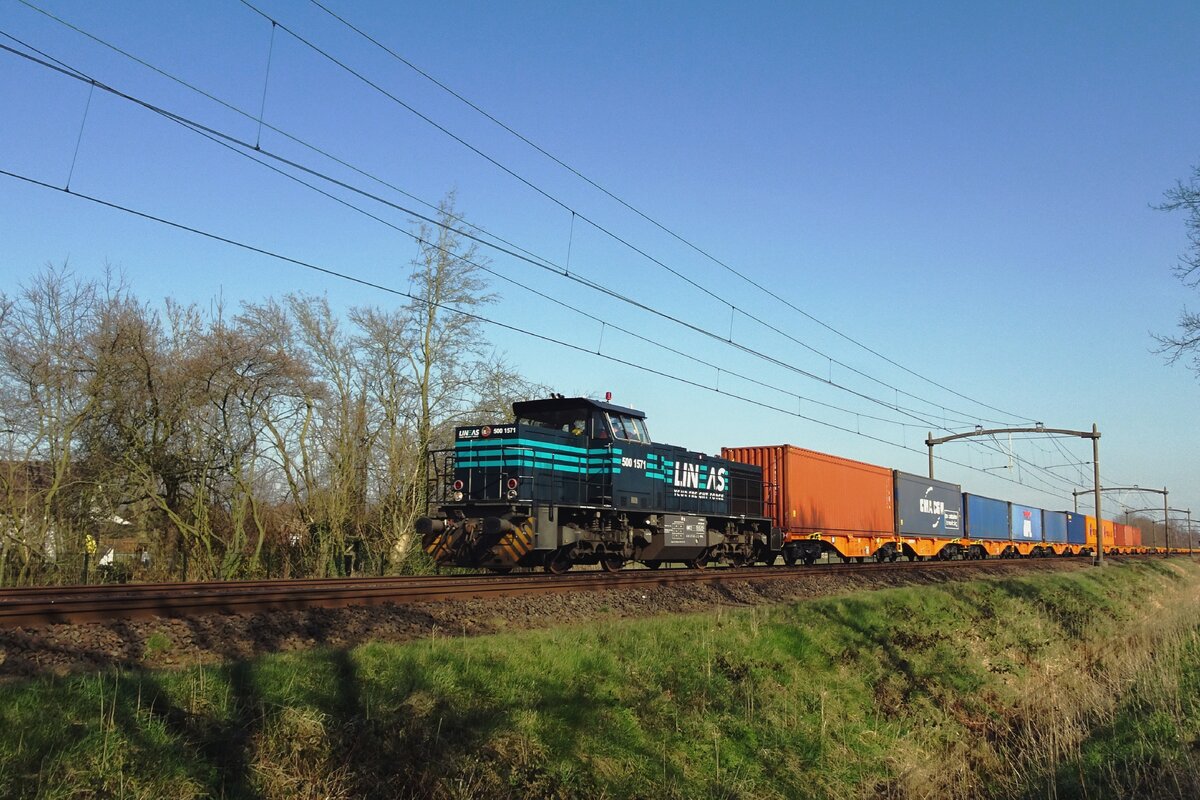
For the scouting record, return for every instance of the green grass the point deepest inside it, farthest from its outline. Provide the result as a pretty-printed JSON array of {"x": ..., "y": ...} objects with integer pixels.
[
  {"x": 930, "y": 691},
  {"x": 1150, "y": 745}
]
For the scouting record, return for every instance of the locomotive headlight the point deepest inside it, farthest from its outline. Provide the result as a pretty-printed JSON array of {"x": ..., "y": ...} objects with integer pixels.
[
  {"x": 511, "y": 494},
  {"x": 456, "y": 496}
]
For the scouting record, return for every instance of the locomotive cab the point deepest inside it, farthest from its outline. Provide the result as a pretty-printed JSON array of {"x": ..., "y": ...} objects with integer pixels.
[{"x": 579, "y": 481}]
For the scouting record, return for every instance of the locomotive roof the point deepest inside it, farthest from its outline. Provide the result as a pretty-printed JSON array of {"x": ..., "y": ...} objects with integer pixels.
[{"x": 527, "y": 408}]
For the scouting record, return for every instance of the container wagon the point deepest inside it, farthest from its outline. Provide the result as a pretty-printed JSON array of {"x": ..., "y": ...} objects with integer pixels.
[
  {"x": 928, "y": 517},
  {"x": 824, "y": 504}
]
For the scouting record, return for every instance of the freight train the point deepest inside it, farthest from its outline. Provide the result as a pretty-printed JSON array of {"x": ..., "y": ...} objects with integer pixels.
[{"x": 575, "y": 481}]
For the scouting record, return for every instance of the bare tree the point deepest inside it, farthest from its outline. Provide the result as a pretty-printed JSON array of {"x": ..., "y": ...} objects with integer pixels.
[
  {"x": 1185, "y": 342},
  {"x": 290, "y": 438},
  {"x": 44, "y": 371}
]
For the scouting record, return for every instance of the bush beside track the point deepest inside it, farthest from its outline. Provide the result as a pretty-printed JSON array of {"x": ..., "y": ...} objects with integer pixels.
[{"x": 1003, "y": 687}]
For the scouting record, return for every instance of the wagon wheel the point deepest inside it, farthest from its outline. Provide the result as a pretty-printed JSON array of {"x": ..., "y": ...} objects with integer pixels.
[
  {"x": 611, "y": 563},
  {"x": 699, "y": 562},
  {"x": 789, "y": 558},
  {"x": 653, "y": 563},
  {"x": 557, "y": 562}
]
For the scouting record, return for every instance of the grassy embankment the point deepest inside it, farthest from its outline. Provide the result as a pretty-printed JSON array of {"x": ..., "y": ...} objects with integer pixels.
[{"x": 1079, "y": 684}]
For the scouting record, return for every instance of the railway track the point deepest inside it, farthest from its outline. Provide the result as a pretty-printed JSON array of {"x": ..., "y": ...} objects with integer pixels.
[{"x": 39, "y": 606}]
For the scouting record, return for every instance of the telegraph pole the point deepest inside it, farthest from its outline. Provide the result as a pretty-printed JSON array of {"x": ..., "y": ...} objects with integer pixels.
[
  {"x": 1099, "y": 559},
  {"x": 1166, "y": 525}
]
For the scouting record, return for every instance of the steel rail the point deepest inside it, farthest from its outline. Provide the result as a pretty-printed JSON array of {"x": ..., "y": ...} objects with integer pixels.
[{"x": 82, "y": 604}]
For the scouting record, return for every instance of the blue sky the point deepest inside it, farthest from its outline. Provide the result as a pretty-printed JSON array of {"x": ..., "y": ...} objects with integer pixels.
[{"x": 965, "y": 189}]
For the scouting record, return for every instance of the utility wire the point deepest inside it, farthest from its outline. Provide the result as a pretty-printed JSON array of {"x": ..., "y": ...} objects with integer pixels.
[
  {"x": 547, "y": 297},
  {"x": 539, "y": 190},
  {"x": 645, "y": 216},
  {"x": 296, "y": 262},
  {"x": 213, "y": 135},
  {"x": 71, "y": 72},
  {"x": 539, "y": 262},
  {"x": 261, "y": 123}
]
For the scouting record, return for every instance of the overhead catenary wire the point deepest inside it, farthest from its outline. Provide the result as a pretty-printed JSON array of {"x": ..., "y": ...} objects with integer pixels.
[
  {"x": 640, "y": 213},
  {"x": 542, "y": 263},
  {"x": 557, "y": 201},
  {"x": 885, "y": 404},
  {"x": 71, "y": 72},
  {"x": 519, "y": 253},
  {"x": 275, "y": 24},
  {"x": 523, "y": 331}
]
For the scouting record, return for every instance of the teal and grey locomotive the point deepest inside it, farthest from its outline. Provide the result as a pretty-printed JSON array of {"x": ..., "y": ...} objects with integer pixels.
[{"x": 578, "y": 481}]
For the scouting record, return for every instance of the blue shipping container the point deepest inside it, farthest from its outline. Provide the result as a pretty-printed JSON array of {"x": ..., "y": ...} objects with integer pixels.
[
  {"x": 987, "y": 518},
  {"x": 1026, "y": 523},
  {"x": 1054, "y": 525},
  {"x": 1076, "y": 528}
]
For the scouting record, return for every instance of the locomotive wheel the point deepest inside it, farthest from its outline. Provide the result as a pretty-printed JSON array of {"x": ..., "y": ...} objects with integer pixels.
[
  {"x": 653, "y": 563},
  {"x": 557, "y": 562}
]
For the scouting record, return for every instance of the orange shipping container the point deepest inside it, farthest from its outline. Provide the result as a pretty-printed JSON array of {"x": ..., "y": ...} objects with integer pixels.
[
  {"x": 1109, "y": 539},
  {"x": 807, "y": 492},
  {"x": 1135, "y": 536}
]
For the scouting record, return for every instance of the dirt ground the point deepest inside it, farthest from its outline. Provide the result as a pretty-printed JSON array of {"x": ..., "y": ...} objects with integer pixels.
[{"x": 165, "y": 643}]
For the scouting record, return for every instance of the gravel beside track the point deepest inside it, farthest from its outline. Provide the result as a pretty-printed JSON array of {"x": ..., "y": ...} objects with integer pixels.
[{"x": 63, "y": 649}]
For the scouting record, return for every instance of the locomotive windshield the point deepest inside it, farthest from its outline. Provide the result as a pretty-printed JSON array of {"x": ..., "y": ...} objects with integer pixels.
[
  {"x": 631, "y": 429},
  {"x": 583, "y": 417}
]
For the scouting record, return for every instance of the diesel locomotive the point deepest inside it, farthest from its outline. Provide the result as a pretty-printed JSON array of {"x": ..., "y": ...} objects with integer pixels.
[{"x": 579, "y": 481}]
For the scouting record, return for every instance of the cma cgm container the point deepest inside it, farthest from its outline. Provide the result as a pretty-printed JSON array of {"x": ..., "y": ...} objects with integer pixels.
[
  {"x": 1054, "y": 526},
  {"x": 1026, "y": 523},
  {"x": 809, "y": 492},
  {"x": 1077, "y": 529},
  {"x": 927, "y": 507},
  {"x": 986, "y": 517}
]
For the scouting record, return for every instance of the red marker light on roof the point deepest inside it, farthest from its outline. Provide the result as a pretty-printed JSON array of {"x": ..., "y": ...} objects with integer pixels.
[{"x": 608, "y": 397}]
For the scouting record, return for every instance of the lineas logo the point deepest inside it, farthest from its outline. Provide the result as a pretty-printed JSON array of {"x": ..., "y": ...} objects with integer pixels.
[{"x": 687, "y": 476}]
